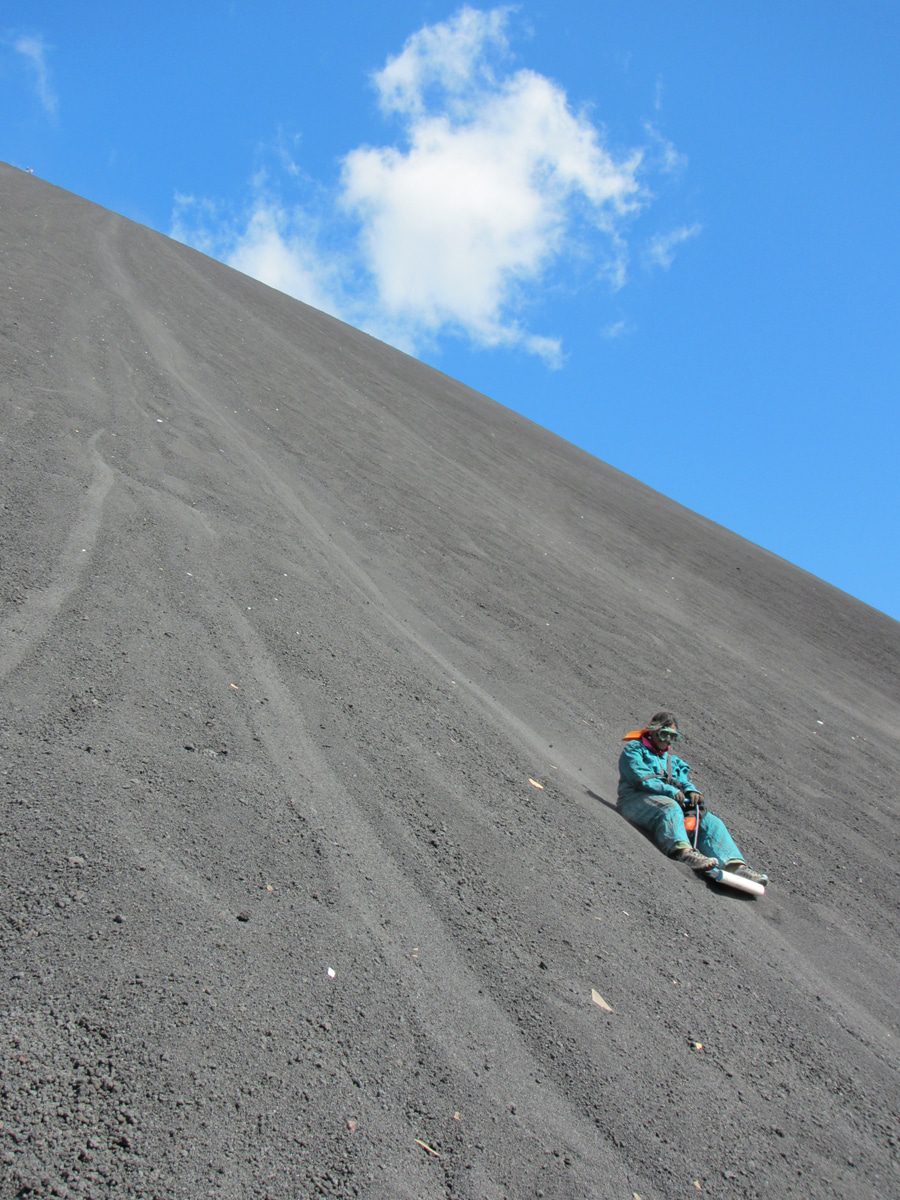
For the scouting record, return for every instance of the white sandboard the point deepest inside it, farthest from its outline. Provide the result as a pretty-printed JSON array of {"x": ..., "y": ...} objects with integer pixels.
[{"x": 735, "y": 881}]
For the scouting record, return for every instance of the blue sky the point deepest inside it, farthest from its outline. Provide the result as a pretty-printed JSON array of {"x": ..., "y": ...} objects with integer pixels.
[{"x": 666, "y": 230}]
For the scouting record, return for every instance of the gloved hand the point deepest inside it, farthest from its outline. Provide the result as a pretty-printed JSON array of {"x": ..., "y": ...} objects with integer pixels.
[{"x": 694, "y": 800}]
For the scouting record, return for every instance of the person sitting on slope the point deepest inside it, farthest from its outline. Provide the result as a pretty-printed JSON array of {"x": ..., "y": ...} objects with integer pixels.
[{"x": 655, "y": 790}]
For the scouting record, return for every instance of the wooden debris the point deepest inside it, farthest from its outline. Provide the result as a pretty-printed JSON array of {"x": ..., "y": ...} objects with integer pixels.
[
  {"x": 535, "y": 783},
  {"x": 427, "y": 1148},
  {"x": 599, "y": 1001}
]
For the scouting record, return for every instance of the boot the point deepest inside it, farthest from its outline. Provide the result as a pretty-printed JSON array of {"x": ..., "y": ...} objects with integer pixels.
[
  {"x": 744, "y": 872},
  {"x": 693, "y": 858}
]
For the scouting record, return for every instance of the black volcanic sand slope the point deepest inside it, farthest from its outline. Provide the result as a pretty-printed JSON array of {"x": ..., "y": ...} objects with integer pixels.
[{"x": 315, "y": 665}]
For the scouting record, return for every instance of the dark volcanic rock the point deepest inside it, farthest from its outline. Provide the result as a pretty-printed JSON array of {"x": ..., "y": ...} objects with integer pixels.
[{"x": 373, "y": 606}]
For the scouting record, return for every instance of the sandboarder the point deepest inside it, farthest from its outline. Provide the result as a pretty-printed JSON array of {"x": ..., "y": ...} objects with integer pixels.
[{"x": 655, "y": 792}]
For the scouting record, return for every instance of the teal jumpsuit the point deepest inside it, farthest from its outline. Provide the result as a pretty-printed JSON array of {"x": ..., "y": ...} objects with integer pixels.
[{"x": 648, "y": 782}]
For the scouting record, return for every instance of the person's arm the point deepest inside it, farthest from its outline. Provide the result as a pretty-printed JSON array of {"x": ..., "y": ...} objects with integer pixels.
[
  {"x": 681, "y": 776},
  {"x": 637, "y": 772}
]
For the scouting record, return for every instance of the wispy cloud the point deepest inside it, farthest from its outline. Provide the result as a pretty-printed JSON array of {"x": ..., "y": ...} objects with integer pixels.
[
  {"x": 494, "y": 190},
  {"x": 664, "y": 153},
  {"x": 274, "y": 244},
  {"x": 660, "y": 250},
  {"x": 616, "y": 329},
  {"x": 34, "y": 51}
]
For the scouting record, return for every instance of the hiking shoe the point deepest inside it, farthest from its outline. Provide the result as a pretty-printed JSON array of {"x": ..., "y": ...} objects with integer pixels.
[
  {"x": 693, "y": 858},
  {"x": 744, "y": 872}
]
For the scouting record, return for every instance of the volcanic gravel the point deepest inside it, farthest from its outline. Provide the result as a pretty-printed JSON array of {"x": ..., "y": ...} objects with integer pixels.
[{"x": 315, "y": 668}]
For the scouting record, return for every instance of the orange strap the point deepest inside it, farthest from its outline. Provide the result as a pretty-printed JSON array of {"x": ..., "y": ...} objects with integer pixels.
[{"x": 635, "y": 735}]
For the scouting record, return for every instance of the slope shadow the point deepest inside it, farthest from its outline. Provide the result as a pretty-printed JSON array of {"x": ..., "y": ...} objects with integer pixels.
[{"x": 602, "y": 799}]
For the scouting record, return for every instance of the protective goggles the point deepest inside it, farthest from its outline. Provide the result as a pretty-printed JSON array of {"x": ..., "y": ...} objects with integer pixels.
[{"x": 667, "y": 735}]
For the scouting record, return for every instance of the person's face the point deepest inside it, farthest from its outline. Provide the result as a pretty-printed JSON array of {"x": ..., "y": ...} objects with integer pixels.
[{"x": 664, "y": 739}]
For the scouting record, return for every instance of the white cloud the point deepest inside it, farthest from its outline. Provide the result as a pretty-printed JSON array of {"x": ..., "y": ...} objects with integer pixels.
[
  {"x": 270, "y": 243},
  {"x": 495, "y": 193},
  {"x": 451, "y": 56},
  {"x": 277, "y": 254},
  {"x": 34, "y": 51},
  {"x": 660, "y": 251},
  {"x": 497, "y": 181}
]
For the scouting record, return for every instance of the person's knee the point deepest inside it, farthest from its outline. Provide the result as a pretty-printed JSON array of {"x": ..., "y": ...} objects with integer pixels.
[
  {"x": 663, "y": 802},
  {"x": 671, "y": 816}
]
